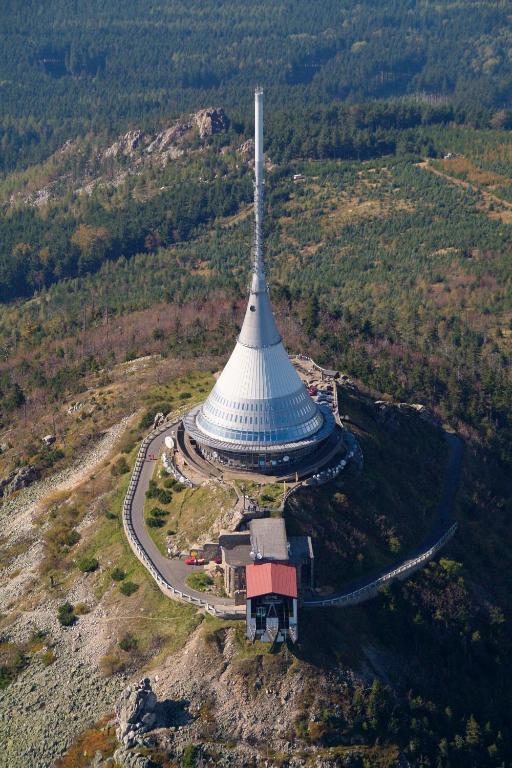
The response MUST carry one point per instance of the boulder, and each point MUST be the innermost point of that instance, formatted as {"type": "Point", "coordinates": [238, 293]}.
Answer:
{"type": "Point", "coordinates": [19, 478]}
{"type": "Point", "coordinates": [210, 121]}
{"type": "Point", "coordinates": [127, 759]}
{"type": "Point", "coordinates": [135, 712]}
{"type": "Point", "coordinates": [48, 440]}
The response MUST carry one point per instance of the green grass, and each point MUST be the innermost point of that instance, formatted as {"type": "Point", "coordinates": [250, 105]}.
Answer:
{"type": "Point", "coordinates": [267, 495]}
{"type": "Point", "coordinates": [200, 581]}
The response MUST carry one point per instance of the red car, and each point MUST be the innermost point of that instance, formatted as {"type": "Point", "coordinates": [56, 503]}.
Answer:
{"type": "Point", "coordinates": [195, 561]}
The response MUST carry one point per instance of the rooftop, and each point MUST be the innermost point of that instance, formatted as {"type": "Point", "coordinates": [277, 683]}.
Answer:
{"type": "Point", "coordinates": [268, 538]}
{"type": "Point", "coordinates": [271, 578]}
{"type": "Point", "coordinates": [236, 547]}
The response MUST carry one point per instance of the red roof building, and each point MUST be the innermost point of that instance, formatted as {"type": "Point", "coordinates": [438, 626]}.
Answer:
{"type": "Point", "coordinates": [271, 578]}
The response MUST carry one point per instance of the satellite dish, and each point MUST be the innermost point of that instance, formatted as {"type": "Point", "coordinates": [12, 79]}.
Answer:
{"type": "Point", "coordinates": [286, 458]}
{"type": "Point", "coordinates": [252, 554]}
{"type": "Point", "coordinates": [259, 556]}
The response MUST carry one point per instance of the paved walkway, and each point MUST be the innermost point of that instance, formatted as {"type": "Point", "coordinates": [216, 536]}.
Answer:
{"type": "Point", "coordinates": [440, 527]}
{"type": "Point", "coordinates": [173, 570]}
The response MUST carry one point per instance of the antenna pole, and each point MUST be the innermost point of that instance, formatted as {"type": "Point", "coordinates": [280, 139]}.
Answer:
{"type": "Point", "coordinates": [258, 281]}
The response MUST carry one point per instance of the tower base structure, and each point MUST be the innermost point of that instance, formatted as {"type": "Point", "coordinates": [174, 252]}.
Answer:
{"type": "Point", "coordinates": [265, 458]}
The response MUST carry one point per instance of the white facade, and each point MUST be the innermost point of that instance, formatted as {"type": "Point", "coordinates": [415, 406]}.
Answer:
{"type": "Point", "coordinates": [259, 402]}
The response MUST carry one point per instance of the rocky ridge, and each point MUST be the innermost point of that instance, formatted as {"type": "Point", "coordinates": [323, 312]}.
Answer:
{"type": "Point", "coordinates": [130, 154]}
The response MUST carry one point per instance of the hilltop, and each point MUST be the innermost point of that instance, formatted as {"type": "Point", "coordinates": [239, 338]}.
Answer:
{"type": "Point", "coordinates": [353, 668]}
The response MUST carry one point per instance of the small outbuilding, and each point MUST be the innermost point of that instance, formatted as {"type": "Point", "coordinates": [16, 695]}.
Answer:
{"type": "Point", "coordinates": [271, 605]}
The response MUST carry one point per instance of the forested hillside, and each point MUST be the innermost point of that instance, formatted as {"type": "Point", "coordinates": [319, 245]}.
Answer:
{"type": "Point", "coordinates": [66, 69]}
{"type": "Point", "coordinates": [126, 224]}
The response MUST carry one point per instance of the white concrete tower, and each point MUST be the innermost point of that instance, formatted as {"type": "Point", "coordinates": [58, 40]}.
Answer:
{"type": "Point", "coordinates": [259, 414]}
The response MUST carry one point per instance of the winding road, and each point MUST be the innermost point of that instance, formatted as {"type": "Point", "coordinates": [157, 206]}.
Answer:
{"type": "Point", "coordinates": [173, 570]}
{"type": "Point", "coordinates": [170, 574]}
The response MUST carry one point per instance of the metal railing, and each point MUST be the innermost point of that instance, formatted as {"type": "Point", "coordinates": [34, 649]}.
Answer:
{"type": "Point", "coordinates": [359, 595]}
{"type": "Point", "coordinates": [369, 590]}
{"type": "Point", "coordinates": [163, 583]}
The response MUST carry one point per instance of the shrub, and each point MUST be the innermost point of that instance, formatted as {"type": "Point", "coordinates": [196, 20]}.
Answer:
{"type": "Point", "coordinates": [170, 482]}
{"type": "Point", "coordinates": [155, 522]}
{"type": "Point", "coordinates": [120, 467]}
{"type": "Point", "coordinates": [81, 609]}
{"type": "Point", "coordinates": [88, 564]}
{"type": "Point", "coordinates": [159, 512]}
{"type": "Point", "coordinates": [128, 588]}
{"type": "Point", "coordinates": [48, 657]}
{"type": "Point", "coordinates": [66, 615]}
{"type": "Point", "coordinates": [149, 417]}
{"type": "Point", "coordinates": [111, 664]}
{"type": "Point", "coordinates": [118, 574]}
{"type": "Point", "coordinates": [128, 643]}
{"type": "Point", "coordinates": [185, 395]}
{"type": "Point", "coordinates": [200, 580]}
{"type": "Point", "coordinates": [153, 490]}
{"type": "Point", "coordinates": [12, 661]}
{"type": "Point", "coordinates": [110, 515]}
{"type": "Point", "coordinates": [188, 758]}
{"type": "Point", "coordinates": [164, 496]}
{"type": "Point", "coordinates": [71, 538]}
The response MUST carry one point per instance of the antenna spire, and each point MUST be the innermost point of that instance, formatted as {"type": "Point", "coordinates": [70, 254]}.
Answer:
{"type": "Point", "coordinates": [258, 280]}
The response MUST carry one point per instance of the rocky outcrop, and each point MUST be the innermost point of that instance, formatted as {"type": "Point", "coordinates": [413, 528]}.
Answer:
{"type": "Point", "coordinates": [18, 479]}
{"type": "Point", "coordinates": [211, 121]}
{"type": "Point", "coordinates": [126, 145]}
{"type": "Point", "coordinates": [388, 414]}
{"type": "Point", "coordinates": [125, 758]}
{"type": "Point", "coordinates": [165, 145]}
{"type": "Point", "coordinates": [247, 148]}
{"type": "Point", "coordinates": [135, 712]}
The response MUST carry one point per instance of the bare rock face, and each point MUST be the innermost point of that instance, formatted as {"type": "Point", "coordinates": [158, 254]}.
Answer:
{"type": "Point", "coordinates": [165, 140]}
{"type": "Point", "coordinates": [128, 759]}
{"type": "Point", "coordinates": [388, 414]}
{"type": "Point", "coordinates": [135, 712]}
{"type": "Point", "coordinates": [247, 148]}
{"type": "Point", "coordinates": [426, 414]}
{"type": "Point", "coordinates": [17, 479]}
{"type": "Point", "coordinates": [126, 145]}
{"type": "Point", "coordinates": [210, 121]}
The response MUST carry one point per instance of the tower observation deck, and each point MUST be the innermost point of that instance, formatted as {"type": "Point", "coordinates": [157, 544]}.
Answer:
{"type": "Point", "coordinates": [259, 415]}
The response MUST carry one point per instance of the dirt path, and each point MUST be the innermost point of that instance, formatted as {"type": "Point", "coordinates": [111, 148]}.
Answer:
{"type": "Point", "coordinates": [16, 514]}
{"type": "Point", "coordinates": [487, 197]}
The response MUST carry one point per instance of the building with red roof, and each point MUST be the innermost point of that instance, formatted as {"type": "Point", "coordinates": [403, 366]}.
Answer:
{"type": "Point", "coordinates": [271, 604]}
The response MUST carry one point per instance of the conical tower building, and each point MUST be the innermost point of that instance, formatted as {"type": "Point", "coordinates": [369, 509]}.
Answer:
{"type": "Point", "coordinates": [259, 416]}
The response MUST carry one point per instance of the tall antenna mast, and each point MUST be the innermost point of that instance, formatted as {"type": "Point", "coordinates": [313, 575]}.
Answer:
{"type": "Point", "coordinates": [258, 280]}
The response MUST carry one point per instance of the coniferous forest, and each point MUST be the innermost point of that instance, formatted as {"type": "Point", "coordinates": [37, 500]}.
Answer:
{"type": "Point", "coordinates": [388, 200]}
